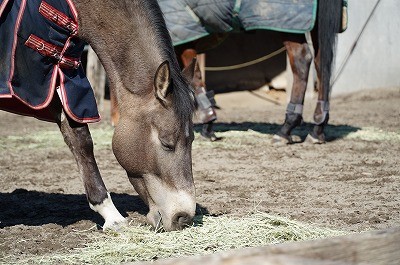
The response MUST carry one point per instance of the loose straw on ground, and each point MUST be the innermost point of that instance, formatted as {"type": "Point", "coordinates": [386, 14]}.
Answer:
{"type": "Point", "coordinates": [208, 235]}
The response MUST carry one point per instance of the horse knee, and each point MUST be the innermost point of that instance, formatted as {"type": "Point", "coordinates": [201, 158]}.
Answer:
{"type": "Point", "coordinates": [305, 60]}
{"type": "Point", "coordinates": [301, 57]}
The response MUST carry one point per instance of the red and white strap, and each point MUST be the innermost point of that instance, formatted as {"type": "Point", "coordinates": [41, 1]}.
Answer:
{"type": "Point", "coordinates": [58, 17]}
{"type": "Point", "coordinates": [52, 51]}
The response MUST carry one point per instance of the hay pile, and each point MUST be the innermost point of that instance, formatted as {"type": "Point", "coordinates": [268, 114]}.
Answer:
{"type": "Point", "coordinates": [208, 235]}
{"type": "Point", "coordinates": [374, 134]}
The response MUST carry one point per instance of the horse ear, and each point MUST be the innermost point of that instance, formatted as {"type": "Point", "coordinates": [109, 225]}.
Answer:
{"type": "Point", "coordinates": [162, 81]}
{"type": "Point", "coordinates": [188, 71]}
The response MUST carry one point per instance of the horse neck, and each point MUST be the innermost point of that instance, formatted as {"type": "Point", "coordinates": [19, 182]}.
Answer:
{"type": "Point", "coordinates": [130, 39]}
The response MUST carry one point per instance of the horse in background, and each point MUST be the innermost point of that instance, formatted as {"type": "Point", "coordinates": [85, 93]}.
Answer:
{"type": "Point", "coordinates": [153, 138]}
{"type": "Point", "coordinates": [331, 19]}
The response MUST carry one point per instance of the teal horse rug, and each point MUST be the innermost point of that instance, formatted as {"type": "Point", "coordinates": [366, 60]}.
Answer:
{"type": "Point", "coordinates": [188, 20]}
{"type": "Point", "coordinates": [40, 56]}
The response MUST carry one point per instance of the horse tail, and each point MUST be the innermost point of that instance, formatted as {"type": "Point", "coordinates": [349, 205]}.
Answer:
{"type": "Point", "coordinates": [329, 24]}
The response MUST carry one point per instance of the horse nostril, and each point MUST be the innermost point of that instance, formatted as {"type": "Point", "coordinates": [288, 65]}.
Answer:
{"type": "Point", "coordinates": [183, 220]}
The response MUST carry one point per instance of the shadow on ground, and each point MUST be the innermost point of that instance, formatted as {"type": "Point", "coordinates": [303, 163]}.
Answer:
{"type": "Point", "coordinates": [35, 208]}
{"type": "Point", "coordinates": [332, 132]}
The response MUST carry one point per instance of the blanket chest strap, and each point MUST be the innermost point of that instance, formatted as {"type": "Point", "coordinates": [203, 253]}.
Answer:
{"type": "Point", "coordinates": [58, 17]}
{"type": "Point", "coordinates": [52, 51]}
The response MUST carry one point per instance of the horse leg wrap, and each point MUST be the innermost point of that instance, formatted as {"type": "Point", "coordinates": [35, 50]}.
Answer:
{"type": "Point", "coordinates": [317, 135]}
{"type": "Point", "coordinates": [208, 132]}
{"type": "Point", "coordinates": [321, 112]}
{"type": "Point", "coordinates": [205, 102]}
{"type": "Point", "coordinates": [321, 117]}
{"type": "Point", "coordinates": [210, 95]}
{"type": "Point", "coordinates": [294, 117]}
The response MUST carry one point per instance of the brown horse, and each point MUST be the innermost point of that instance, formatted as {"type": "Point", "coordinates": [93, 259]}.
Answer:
{"type": "Point", "coordinates": [328, 24]}
{"type": "Point", "coordinates": [153, 139]}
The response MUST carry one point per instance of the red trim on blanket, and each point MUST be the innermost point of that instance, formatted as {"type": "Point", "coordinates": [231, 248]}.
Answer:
{"type": "Point", "coordinates": [74, 12]}
{"type": "Point", "coordinates": [3, 6]}
{"type": "Point", "coordinates": [49, 95]}
{"type": "Point", "coordinates": [46, 49]}
{"type": "Point", "coordinates": [64, 98]}
{"type": "Point", "coordinates": [65, 104]}
{"type": "Point", "coordinates": [53, 77]}
{"type": "Point", "coordinates": [18, 23]}
{"type": "Point", "coordinates": [53, 51]}
{"type": "Point", "coordinates": [58, 17]}
{"type": "Point", "coordinates": [14, 105]}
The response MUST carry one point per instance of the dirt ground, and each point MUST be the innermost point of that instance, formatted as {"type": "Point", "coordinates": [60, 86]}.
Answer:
{"type": "Point", "coordinates": [351, 183]}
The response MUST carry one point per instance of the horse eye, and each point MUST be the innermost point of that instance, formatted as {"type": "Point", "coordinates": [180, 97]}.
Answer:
{"type": "Point", "coordinates": [167, 147]}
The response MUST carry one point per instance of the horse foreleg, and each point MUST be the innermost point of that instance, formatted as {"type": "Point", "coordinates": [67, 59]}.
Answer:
{"type": "Point", "coordinates": [300, 58]}
{"type": "Point", "coordinates": [79, 141]}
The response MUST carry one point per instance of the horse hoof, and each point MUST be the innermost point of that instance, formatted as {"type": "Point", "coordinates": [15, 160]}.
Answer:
{"type": "Point", "coordinates": [117, 225]}
{"type": "Point", "coordinates": [296, 139]}
{"type": "Point", "coordinates": [280, 140]}
{"type": "Point", "coordinates": [315, 140]}
{"type": "Point", "coordinates": [210, 136]}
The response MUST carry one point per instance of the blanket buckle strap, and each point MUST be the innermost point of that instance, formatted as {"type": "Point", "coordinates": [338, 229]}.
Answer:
{"type": "Point", "coordinates": [53, 51]}
{"type": "Point", "coordinates": [59, 18]}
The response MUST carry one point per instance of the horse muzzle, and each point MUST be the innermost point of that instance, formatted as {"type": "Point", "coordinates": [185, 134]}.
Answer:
{"type": "Point", "coordinates": [178, 221]}
{"type": "Point", "coordinates": [170, 208]}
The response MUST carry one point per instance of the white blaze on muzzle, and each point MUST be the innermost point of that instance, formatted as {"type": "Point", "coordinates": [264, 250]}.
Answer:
{"type": "Point", "coordinates": [168, 202]}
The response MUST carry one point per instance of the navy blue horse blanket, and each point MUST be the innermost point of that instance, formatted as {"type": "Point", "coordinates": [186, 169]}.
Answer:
{"type": "Point", "coordinates": [39, 55]}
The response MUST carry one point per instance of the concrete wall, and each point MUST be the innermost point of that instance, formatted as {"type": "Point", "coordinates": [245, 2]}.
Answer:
{"type": "Point", "coordinates": [375, 61]}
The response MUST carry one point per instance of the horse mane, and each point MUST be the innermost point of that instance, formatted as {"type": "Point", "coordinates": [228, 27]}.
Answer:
{"type": "Point", "coordinates": [183, 98]}
{"type": "Point", "coordinates": [182, 92]}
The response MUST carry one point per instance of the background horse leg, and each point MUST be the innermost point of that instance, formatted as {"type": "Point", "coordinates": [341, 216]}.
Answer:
{"type": "Point", "coordinates": [321, 112]}
{"type": "Point", "coordinates": [300, 58]}
{"type": "Point", "coordinates": [324, 42]}
{"type": "Point", "coordinates": [79, 141]}
{"type": "Point", "coordinates": [205, 100]}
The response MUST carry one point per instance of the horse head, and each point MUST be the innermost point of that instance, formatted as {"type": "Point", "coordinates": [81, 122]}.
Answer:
{"type": "Point", "coordinates": [152, 142]}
